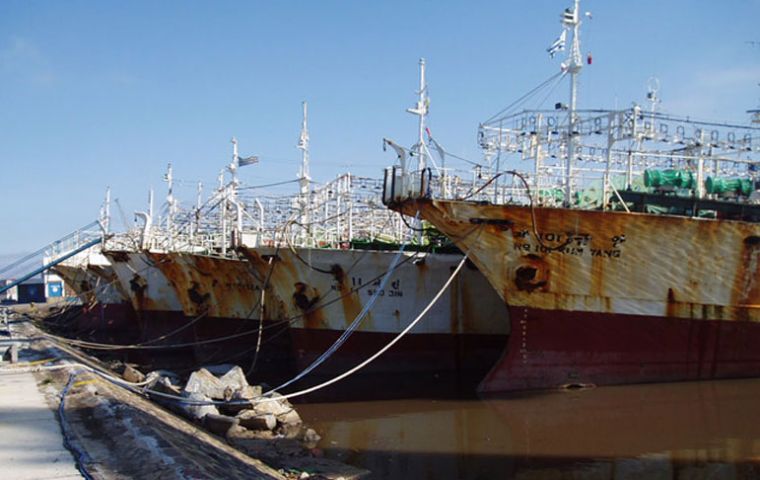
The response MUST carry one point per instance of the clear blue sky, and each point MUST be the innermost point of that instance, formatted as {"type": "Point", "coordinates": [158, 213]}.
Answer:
{"type": "Point", "coordinates": [106, 93]}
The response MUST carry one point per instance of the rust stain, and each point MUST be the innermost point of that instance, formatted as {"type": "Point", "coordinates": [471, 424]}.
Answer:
{"type": "Point", "coordinates": [138, 286]}
{"type": "Point", "coordinates": [746, 288]}
{"type": "Point", "coordinates": [605, 261]}
{"type": "Point", "coordinates": [108, 275]}
{"type": "Point", "coordinates": [78, 280]}
{"type": "Point", "coordinates": [306, 299]}
{"type": "Point", "coordinates": [673, 307]}
{"type": "Point", "coordinates": [349, 300]}
{"type": "Point", "coordinates": [532, 273]}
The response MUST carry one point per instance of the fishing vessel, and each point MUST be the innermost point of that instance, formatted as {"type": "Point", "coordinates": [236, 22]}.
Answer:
{"type": "Point", "coordinates": [106, 310]}
{"type": "Point", "coordinates": [347, 282]}
{"type": "Point", "coordinates": [624, 243]}
{"type": "Point", "coordinates": [136, 256]}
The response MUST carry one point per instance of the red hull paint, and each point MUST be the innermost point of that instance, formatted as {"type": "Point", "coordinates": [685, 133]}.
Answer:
{"type": "Point", "coordinates": [108, 323]}
{"type": "Point", "coordinates": [549, 349]}
{"type": "Point", "coordinates": [274, 353]}
{"type": "Point", "coordinates": [439, 364]}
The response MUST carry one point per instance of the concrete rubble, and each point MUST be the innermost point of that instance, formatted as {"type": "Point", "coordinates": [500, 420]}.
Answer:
{"type": "Point", "coordinates": [267, 427]}
{"type": "Point", "coordinates": [116, 433]}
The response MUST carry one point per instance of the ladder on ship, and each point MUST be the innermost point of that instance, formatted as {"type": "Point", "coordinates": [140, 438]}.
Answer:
{"type": "Point", "coordinates": [52, 254]}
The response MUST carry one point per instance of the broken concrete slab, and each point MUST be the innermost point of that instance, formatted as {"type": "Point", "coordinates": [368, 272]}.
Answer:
{"type": "Point", "coordinates": [274, 404]}
{"type": "Point", "coordinates": [291, 418]}
{"type": "Point", "coordinates": [132, 374]}
{"type": "Point", "coordinates": [235, 406]}
{"type": "Point", "coordinates": [165, 386]}
{"type": "Point", "coordinates": [248, 392]}
{"type": "Point", "coordinates": [196, 406]}
{"type": "Point", "coordinates": [234, 378]}
{"type": "Point", "coordinates": [219, 424]}
{"type": "Point", "coordinates": [204, 382]}
{"type": "Point", "coordinates": [311, 438]}
{"type": "Point", "coordinates": [255, 421]}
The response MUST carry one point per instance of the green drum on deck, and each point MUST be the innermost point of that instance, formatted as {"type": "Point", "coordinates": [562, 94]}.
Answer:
{"type": "Point", "coordinates": [669, 178]}
{"type": "Point", "coordinates": [741, 186]}
{"type": "Point", "coordinates": [553, 194]}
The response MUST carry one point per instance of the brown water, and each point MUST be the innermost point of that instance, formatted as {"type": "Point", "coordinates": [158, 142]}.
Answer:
{"type": "Point", "coordinates": [673, 431]}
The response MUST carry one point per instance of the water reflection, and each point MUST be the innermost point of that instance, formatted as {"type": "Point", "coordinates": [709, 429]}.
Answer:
{"type": "Point", "coordinates": [683, 430]}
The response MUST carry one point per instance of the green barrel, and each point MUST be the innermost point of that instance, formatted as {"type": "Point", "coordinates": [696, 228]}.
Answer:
{"type": "Point", "coordinates": [555, 194]}
{"type": "Point", "coordinates": [741, 186]}
{"type": "Point", "coordinates": [669, 178]}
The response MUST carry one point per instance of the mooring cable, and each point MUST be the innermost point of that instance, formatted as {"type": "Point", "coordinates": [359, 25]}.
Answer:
{"type": "Point", "coordinates": [80, 456]}
{"type": "Point", "coordinates": [283, 322]}
{"type": "Point", "coordinates": [385, 348]}
{"type": "Point", "coordinates": [268, 396]}
{"type": "Point", "coordinates": [354, 324]}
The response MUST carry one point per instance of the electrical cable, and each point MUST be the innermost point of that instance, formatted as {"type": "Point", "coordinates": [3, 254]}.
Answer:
{"type": "Point", "coordinates": [80, 456]}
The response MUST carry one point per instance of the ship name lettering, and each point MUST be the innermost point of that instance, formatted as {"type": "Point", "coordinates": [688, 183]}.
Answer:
{"type": "Point", "coordinates": [382, 293]}
{"type": "Point", "coordinates": [579, 239]}
{"type": "Point", "coordinates": [617, 240]}
{"type": "Point", "coordinates": [607, 253]}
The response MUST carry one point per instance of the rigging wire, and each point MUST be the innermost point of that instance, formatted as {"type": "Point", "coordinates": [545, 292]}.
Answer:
{"type": "Point", "coordinates": [524, 98]}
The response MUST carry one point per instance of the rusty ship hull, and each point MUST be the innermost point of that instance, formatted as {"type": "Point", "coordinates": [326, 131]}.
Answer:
{"type": "Point", "coordinates": [322, 291]}
{"type": "Point", "coordinates": [223, 300]}
{"type": "Point", "coordinates": [158, 311]}
{"type": "Point", "coordinates": [106, 312]}
{"type": "Point", "coordinates": [611, 297]}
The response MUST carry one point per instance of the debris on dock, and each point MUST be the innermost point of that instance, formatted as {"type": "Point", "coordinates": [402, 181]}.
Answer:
{"type": "Point", "coordinates": [117, 433]}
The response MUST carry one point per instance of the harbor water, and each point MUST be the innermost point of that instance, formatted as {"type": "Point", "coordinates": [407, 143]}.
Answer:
{"type": "Point", "coordinates": [677, 430]}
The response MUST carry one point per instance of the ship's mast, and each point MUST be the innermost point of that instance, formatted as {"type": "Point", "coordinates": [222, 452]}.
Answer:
{"type": "Point", "coordinates": [303, 177]}
{"type": "Point", "coordinates": [228, 194]}
{"type": "Point", "coordinates": [421, 110]}
{"type": "Point", "coordinates": [169, 177]}
{"type": "Point", "coordinates": [233, 167]}
{"type": "Point", "coordinates": [106, 220]}
{"type": "Point", "coordinates": [303, 145]}
{"type": "Point", "coordinates": [571, 21]}
{"type": "Point", "coordinates": [755, 114]}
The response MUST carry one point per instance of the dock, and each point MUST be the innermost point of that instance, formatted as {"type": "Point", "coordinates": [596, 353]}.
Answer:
{"type": "Point", "coordinates": [31, 441]}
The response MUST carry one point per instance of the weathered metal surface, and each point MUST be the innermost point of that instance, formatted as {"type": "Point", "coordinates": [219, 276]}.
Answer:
{"type": "Point", "coordinates": [221, 298]}
{"type": "Point", "coordinates": [109, 284]}
{"type": "Point", "coordinates": [612, 262]}
{"type": "Point", "coordinates": [608, 297]}
{"type": "Point", "coordinates": [107, 315]}
{"type": "Point", "coordinates": [321, 291]}
{"type": "Point", "coordinates": [146, 285]}
{"type": "Point", "coordinates": [217, 287]}
{"type": "Point", "coordinates": [92, 283]}
{"type": "Point", "coordinates": [80, 280]}
{"type": "Point", "coordinates": [157, 309]}
{"type": "Point", "coordinates": [327, 289]}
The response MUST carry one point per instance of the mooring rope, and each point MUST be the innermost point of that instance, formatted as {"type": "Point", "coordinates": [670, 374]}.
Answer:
{"type": "Point", "coordinates": [354, 324]}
